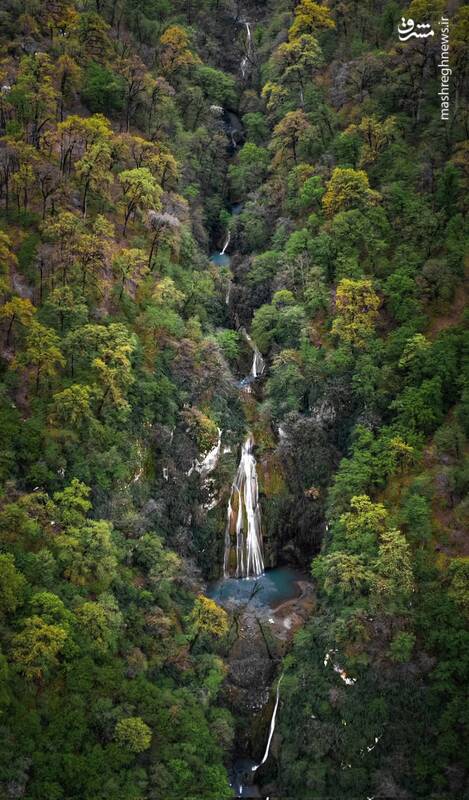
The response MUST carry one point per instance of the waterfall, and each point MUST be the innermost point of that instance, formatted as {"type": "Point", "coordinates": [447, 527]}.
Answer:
{"type": "Point", "coordinates": [207, 464]}
{"type": "Point", "coordinates": [272, 727]}
{"type": "Point", "coordinates": [246, 59]}
{"type": "Point", "coordinates": [228, 239]}
{"type": "Point", "coordinates": [244, 519]}
{"type": "Point", "coordinates": [258, 363]}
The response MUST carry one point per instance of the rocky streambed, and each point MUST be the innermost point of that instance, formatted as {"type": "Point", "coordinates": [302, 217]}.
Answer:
{"type": "Point", "coordinates": [266, 612]}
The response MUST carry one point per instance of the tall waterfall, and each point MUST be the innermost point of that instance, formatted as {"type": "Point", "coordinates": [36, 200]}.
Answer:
{"type": "Point", "coordinates": [272, 727]}
{"type": "Point", "coordinates": [244, 519]}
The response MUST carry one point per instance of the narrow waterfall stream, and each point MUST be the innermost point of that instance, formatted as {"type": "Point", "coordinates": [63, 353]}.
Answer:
{"type": "Point", "coordinates": [228, 239]}
{"type": "Point", "coordinates": [246, 60]}
{"type": "Point", "coordinates": [258, 363]}
{"type": "Point", "coordinates": [272, 727]}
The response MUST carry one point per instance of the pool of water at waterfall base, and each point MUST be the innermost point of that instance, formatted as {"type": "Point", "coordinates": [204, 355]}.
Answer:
{"type": "Point", "coordinates": [269, 590]}
{"type": "Point", "coordinates": [241, 779]}
{"type": "Point", "coordinates": [221, 259]}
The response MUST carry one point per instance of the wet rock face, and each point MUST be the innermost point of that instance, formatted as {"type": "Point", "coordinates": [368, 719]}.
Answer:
{"type": "Point", "coordinates": [324, 413]}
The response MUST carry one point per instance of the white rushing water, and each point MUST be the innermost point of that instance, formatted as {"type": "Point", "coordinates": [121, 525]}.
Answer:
{"type": "Point", "coordinates": [207, 464]}
{"type": "Point", "coordinates": [244, 519]}
{"type": "Point", "coordinates": [247, 58]}
{"type": "Point", "coordinates": [227, 241]}
{"type": "Point", "coordinates": [258, 363]}
{"type": "Point", "coordinates": [272, 727]}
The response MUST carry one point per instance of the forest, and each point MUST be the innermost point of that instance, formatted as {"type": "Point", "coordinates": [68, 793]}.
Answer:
{"type": "Point", "coordinates": [234, 400]}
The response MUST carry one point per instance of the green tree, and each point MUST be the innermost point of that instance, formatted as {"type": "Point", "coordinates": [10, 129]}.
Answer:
{"type": "Point", "coordinates": [297, 61]}
{"type": "Point", "coordinates": [393, 581]}
{"type": "Point", "coordinates": [102, 89]}
{"type": "Point", "coordinates": [18, 310]}
{"type": "Point", "coordinates": [8, 261]}
{"type": "Point", "coordinates": [73, 503]}
{"type": "Point", "coordinates": [281, 322]}
{"type": "Point", "coordinates": [250, 169]}
{"type": "Point", "coordinates": [343, 576]}
{"type": "Point", "coordinates": [255, 125]}
{"type": "Point", "coordinates": [363, 525]}
{"type": "Point", "coordinates": [400, 649]}
{"type": "Point", "coordinates": [357, 309]}
{"type": "Point", "coordinates": [175, 53]}
{"type": "Point", "coordinates": [163, 228]}
{"type": "Point", "coordinates": [134, 76]}
{"type": "Point", "coordinates": [93, 171]}
{"type": "Point", "coordinates": [12, 585]}
{"type": "Point", "coordinates": [78, 134]}
{"type": "Point", "coordinates": [207, 617]}
{"type": "Point", "coordinates": [100, 621]}
{"type": "Point", "coordinates": [288, 135]}
{"type": "Point", "coordinates": [72, 407]}
{"type": "Point", "coordinates": [65, 306]}
{"type": "Point", "coordinates": [229, 343]}
{"type": "Point", "coordinates": [42, 353]}
{"type": "Point", "coordinates": [33, 96]}
{"type": "Point", "coordinates": [217, 86]}
{"type": "Point", "coordinates": [420, 407]}
{"type": "Point", "coordinates": [133, 734]}
{"type": "Point", "coordinates": [36, 649]}
{"type": "Point", "coordinates": [286, 385]}
{"type": "Point", "coordinates": [113, 371]}
{"type": "Point", "coordinates": [87, 555]}
{"type": "Point", "coordinates": [309, 18]}
{"type": "Point", "coordinates": [69, 79]}
{"type": "Point", "coordinates": [129, 266]}
{"type": "Point", "coordinates": [160, 564]}
{"type": "Point", "coordinates": [376, 135]}
{"type": "Point", "coordinates": [458, 573]}
{"type": "Point", "coordinates": [348, 188]}
{"type": "Point", "coordinates": [140, 191]}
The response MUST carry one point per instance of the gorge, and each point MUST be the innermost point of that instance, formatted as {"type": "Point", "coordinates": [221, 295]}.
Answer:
{"type": "Point", "coordinates": [234, 401]}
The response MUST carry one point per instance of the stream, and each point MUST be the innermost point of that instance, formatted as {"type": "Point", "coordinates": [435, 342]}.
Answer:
{"type": "Point", "coordinates": [275, 603]}
{"type": "Point", "coordinates": [266, 606]}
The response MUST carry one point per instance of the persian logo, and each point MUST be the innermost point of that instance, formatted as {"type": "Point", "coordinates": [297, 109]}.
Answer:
{"type": "Point", "coordinates": [408, 29]}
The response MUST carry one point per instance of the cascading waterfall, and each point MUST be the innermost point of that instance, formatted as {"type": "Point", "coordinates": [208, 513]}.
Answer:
{"type": "Point", "coordinates": [244, 519]}
{"type": "Point", "coordinates": [258, 363]}
{"type": "Point", "coordinates": [272, 727]}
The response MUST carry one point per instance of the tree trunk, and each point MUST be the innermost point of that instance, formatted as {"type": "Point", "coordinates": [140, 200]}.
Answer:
{"type": "Point", "coordinates": [7, 340]}
{"type": "Point", "coordinates": [152, 250]}
{"type": "Point", "coordinates": [85, 197]}
{"type": "Point", "coordinates": [98, 413]}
